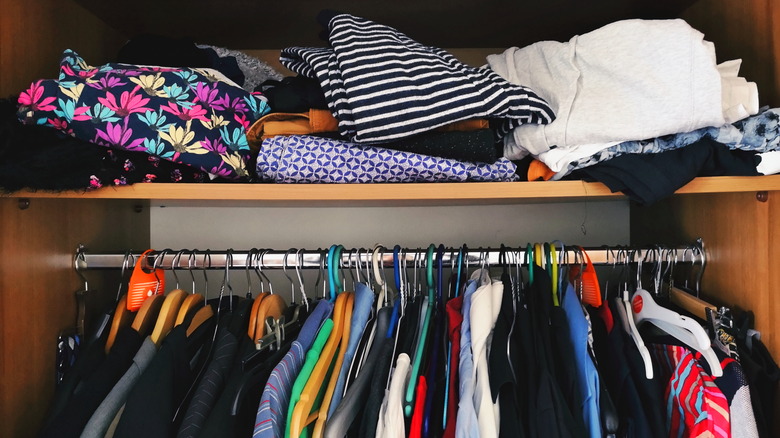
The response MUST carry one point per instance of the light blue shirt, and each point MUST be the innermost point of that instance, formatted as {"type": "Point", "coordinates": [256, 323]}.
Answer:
{"type": "Point", "coordinates": [361, 310]}
{"type": "Point", "coordinates": [467, 423]}
{"type": "Point", "coordinates": [587, 374]}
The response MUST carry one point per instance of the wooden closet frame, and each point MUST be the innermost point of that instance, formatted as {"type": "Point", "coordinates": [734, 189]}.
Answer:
{"type": "Point", "coordinates": [738, 218]}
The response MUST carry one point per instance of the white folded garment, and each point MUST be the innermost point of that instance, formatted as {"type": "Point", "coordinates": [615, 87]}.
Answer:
{"type": "Point", "coordinates": [630, 80]}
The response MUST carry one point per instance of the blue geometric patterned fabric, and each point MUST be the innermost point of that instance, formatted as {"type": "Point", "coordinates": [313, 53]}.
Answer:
{"type": "Point", "coordinates": [308, 159]}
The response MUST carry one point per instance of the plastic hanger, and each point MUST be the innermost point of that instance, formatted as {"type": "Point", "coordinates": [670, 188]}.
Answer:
{"type": "Point", "coordinates": [144, 282]}
{"type": "Point", "coordinates": [625, 314]}
{"type": "Point", "coordinates": [529, 261]}
{"type": "Point", "coordinates": [319, 425]}
{"type": "Point", "coordinates": [551, 262]}
{"type": "Point", "coordinates": [645, 309]}
{"type": "Point", "coordinates": [420, 345]}
{"type": "Point", "coordinates": [431, 355]}
{"type": "Point", "coordinates": [304, 412]}
{"type": "Point", "coordinates": [376, 257]}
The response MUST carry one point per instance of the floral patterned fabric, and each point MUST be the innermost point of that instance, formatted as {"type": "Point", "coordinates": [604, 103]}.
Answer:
{"type": "Point", "coordinates": [185, 115]}
{"type": "Point", "coordinates": [308, 159]}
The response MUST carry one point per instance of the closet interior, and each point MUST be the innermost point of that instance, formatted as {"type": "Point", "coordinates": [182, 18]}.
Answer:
{"type": "Point", "coordinates": [738, 218]}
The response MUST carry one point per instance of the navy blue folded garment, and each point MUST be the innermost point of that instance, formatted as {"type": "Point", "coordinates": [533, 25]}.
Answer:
{"type": "Point", "coordinates": [648, 178]}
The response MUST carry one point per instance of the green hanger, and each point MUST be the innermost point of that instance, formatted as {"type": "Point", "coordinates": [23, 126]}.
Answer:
{"type": "Point", "coordinates": [418, 353]}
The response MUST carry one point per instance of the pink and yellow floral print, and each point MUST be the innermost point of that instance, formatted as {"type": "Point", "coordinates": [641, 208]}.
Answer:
{"type": "Point", "coordinates": [182, 115]}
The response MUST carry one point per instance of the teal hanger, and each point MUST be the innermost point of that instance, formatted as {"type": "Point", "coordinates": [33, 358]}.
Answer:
{"type": "Point", "coordinates": [334, 257]}
{"type": "Point", "coordinates": [529, 261]}
{"type": "Point", "coordinates": [420, 346]}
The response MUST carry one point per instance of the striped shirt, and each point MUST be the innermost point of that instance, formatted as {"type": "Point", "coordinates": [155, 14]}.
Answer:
{"type": "Point", "coordinates": [695, 406]}
{"type": "Point", "coordinates": [381, 85]}
{"type": "Point", "coordinates": [272, 412]}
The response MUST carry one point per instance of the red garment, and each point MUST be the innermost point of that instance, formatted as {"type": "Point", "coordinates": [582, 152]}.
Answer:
{"type": "Point", "coordinates": [454, 319]}
{"type": "Point", "coordinates": [696, 406]}
{"type": "Point", "coordinates": [415, 430]}
{"type": "Point", "coordinates": [605, 313]}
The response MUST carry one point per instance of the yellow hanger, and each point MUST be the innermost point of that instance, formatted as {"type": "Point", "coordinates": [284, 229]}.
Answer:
{"type": "Point", "coordinates": [552, 263]}
{"type": "Point", "coordinates": [302, 413]}
{"type": "Point", "coordinates": [319, 426]}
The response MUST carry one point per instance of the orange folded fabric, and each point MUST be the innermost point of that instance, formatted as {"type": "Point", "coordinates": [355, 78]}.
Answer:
{"type": "Point", "coordinates": [538, 171]}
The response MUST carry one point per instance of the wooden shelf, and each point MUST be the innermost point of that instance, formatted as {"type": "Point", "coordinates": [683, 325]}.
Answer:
{"type": "Point", "coordinates": [392, 194]}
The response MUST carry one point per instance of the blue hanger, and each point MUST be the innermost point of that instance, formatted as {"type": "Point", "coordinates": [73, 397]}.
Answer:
{"type": "Point", "coordinates": [420, 345]}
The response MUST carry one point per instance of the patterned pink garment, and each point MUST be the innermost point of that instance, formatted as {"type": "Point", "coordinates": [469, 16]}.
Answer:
{"type": "Point", "coordinates": [695, 406]}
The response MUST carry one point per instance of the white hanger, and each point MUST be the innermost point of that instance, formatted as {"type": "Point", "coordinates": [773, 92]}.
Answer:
{"type": "Point", "coordinates": [624, 309]}
{"type": "Point", "coordinates": [644, 309]}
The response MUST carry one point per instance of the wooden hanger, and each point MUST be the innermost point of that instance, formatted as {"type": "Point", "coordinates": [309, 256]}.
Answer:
{"type": "Point", "coordinates": [693, 304]}
{"type": "Point", "coordinates": [122, 318]}
{"type": "Point", "coordinates": [168, 314]}
{"type": "Point", "coordinates": [303, 408]}
{"type": "Point", "coordinates": [193, 301]}
{"type": "Point", "coordinates": [201, 316]}
{"type": "Point", "coordinates": [146, 317]}
{"type": "Point", "coordinates": [254, 322]}
{"type": "Point", "coordinates": [274, 306]}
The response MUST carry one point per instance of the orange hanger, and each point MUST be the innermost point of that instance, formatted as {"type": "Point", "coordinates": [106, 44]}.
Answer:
{"type": "Point", "coordinates": [144, 282]}
{"type": "Point", "coordinates": [304, 412]}
{"type": "Point", "coordinates": [319, 426]}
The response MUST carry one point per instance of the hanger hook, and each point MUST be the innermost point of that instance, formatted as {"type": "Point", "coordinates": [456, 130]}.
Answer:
{"type": "Point", "coordinates": [204, 267]}
{"type": "Point", "coordinates": [284, 269]}
{"type": "Point", "coordinates": [79, 263]}
{"type": "Point", "coordinates": [192, 262]}
{"type": "Point", "coordinates": [298, 267]}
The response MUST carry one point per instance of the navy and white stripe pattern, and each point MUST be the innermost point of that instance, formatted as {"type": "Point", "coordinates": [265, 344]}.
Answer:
{"type": "Point", "coordinates": [381, 85]}
{"type": "Point", "coordinates": [308, 159]}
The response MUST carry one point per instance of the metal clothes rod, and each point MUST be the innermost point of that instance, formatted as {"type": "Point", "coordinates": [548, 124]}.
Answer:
{"type": "Point", "coordinates": [310, 259]}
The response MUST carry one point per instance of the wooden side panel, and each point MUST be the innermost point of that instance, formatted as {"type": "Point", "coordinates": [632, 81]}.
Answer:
{"type": "Point", "coordinates": [748, 29]}
{"type": "Point", "coordinates": [740, 237]}
{"type": "Point", "coordinates": [37, 286]}
{"type": "Point", "coordinates": [34, 33]}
